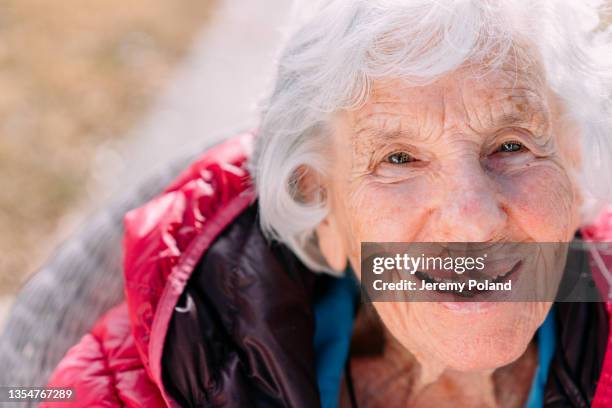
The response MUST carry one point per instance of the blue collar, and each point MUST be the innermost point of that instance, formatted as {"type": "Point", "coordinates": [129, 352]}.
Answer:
{"type": "Point", "coordinates": [547, 341]}
{"type": "Point", "coordinates": [334, 313]}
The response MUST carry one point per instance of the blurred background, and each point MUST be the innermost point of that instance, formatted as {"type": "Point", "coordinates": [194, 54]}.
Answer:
{"type": "Point", "coordinates": [95, 95]}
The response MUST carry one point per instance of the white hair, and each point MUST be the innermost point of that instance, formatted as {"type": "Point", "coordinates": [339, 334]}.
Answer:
{"type": "Point", "coordinates": [339, 47]}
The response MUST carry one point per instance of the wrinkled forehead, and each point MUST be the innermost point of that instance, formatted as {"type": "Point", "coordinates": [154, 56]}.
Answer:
{"type": "Point", "coordinates": [472, 97]}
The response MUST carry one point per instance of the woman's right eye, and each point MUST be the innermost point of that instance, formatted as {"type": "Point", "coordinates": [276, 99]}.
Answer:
{"type": "Point", "coordinates": [510, 147]}
{"type": "Point", "coordinates": [399, 158]}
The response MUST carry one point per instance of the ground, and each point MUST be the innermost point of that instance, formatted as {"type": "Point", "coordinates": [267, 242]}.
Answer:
{"type": "Point", "coordinates": [74, 75]}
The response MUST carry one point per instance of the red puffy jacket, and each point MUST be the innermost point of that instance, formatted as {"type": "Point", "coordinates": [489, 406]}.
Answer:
{"type": "Point", "coordinates": [119, 362]}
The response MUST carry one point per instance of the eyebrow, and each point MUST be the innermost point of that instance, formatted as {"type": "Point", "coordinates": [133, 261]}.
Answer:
{"type": "Point", "coordinates": [532, 114]}
{"type": "Point", "coordinates": [368, 132]}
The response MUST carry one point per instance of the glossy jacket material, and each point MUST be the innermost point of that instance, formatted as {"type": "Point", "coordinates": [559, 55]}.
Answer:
{"type": "Point", "coordinates": [242, 332]}
{"type": "Point", "coordinates": [119, 363]}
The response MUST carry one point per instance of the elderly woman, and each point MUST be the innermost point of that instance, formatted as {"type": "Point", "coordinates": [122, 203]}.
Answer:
{"type": "Point", "coordinates": [391, 120]}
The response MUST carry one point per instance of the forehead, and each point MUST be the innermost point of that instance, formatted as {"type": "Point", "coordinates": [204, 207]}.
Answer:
{"type": "Point", "coordinates": [516, 90]}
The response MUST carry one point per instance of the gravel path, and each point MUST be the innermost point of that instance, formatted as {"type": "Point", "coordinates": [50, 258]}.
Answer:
{"type": "Point", "coordinates": [217, 88]}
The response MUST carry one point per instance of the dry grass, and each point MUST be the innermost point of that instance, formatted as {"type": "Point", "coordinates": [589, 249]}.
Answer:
{"type": "Point", "coordinates": [73, 74]}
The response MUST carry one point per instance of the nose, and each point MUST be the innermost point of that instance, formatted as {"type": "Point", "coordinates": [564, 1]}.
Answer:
{"type": "Point", "coordinates": [470, 209]}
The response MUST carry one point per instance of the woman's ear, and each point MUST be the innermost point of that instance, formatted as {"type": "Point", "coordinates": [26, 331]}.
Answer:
{"type": "Point", "coordinates": [330, 243]}
{"type": "Point", "coordinates": [329, 235]}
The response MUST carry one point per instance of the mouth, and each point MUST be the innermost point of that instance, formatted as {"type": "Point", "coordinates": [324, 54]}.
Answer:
{"type": "Point", "coordinates": [498, 274]}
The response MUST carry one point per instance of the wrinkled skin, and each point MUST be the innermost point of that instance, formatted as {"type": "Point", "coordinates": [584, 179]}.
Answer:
{"type": "Point", "coordinates": [428, 163]}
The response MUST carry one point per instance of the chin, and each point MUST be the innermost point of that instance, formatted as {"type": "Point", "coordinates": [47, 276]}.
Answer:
{"type": "Point", "coordinates": [486, 339]}
{"type": "Point", "coordinates": [482, 350]}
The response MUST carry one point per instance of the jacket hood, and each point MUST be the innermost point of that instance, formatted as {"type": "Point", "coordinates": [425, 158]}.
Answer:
{"type": "Point", "coordinates": [165, 238]}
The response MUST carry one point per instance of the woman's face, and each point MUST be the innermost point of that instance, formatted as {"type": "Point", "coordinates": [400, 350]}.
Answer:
{"type": "Point", "coordinates": [464, 159]}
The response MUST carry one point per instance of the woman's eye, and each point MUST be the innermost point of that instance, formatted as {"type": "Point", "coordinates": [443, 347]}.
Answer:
{"type": "Point", "coordinates": [510, 147]}
{"type": "Point", "coordinates": [400, 158]}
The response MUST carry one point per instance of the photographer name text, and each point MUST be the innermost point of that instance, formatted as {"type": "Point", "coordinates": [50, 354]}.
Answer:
{"type": "Point", "coordinates": [468, 285]}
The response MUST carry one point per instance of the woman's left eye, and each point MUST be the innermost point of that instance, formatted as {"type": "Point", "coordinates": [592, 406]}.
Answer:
{"type": "Point", "coordinates": [399, 158]}
{"type": "Point", "coordinates": [510, 147]}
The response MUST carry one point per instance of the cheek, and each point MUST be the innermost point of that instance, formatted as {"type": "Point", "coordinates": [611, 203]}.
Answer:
{"type": "Point", "coordinates": [388, 212]}
{"type": "Point", "coordinates": [541, 200]}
